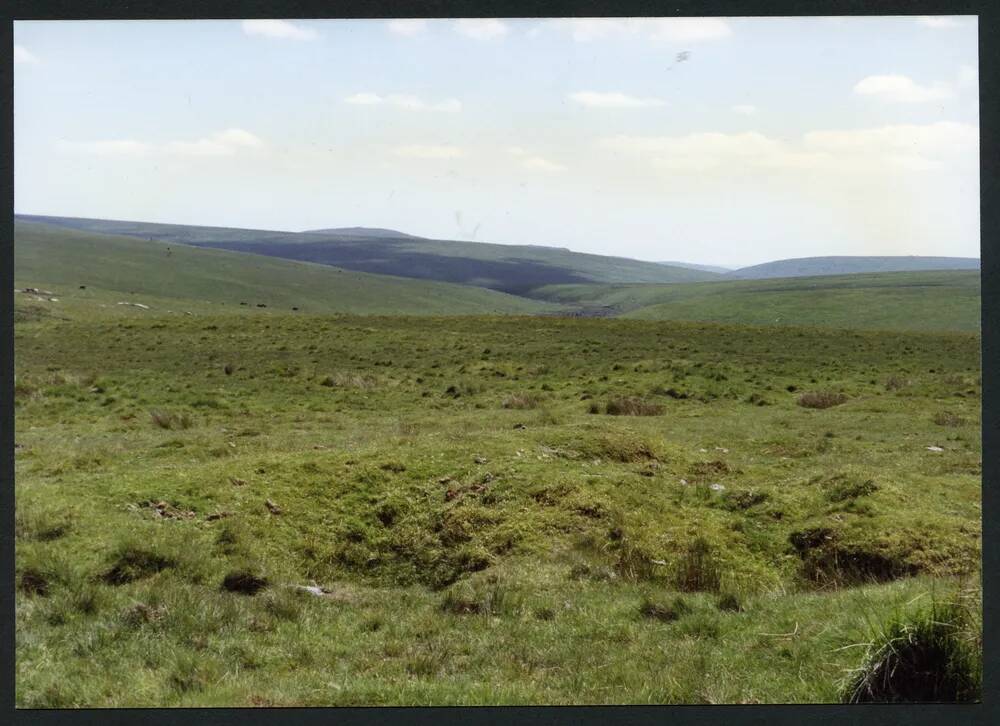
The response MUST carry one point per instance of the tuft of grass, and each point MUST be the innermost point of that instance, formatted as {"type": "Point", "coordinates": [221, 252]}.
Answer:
{"type": "Point", "coordinates": [632, 407]}
{"type": "Point", "coordinates": [841, 490]}
{"type": "Point", "coordinates": [821, 399]}
{"type": "Point", "coordinates": [947, 418]}
{"type": "Point", "coordinates": [924, 657]}
{"type": "Point", "coordinates": [169, 420]}
{"type": "Point", "coordinates": [698, 569]}
{"type": "Point", "coordinates": [521, 401]}
{"type": "Point", "coordinates": [131, 562]}
{"type": "Point", "coordinates": [667, 612]}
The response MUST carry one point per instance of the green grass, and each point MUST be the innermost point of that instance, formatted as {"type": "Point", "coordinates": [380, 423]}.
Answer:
{"type": "Point", "coordinates": [947, 300]}
{"type": "Point", "coordinates": [482, 538]}
{"type": "Point", "coordinates": [176, 277]}
{"type": "Point", "coordinates": [510, 268]}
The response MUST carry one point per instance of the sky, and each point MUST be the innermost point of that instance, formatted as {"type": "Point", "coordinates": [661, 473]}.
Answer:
{"type": "Point", "coordinates": [727, 141]}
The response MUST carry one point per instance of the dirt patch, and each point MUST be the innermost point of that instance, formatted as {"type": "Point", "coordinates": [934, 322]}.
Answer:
{"type": "Point", "coordinates": [131, 564]}
{"type": "Point", "coordinates": [827, 560]}
{"type": "Point", "coordinates": [244, 582]}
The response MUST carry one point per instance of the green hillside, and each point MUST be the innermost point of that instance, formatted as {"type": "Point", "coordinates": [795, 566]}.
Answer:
{"type": "Point", "coordinates": [847, 265]}
{"type": "Point", "coordinates": [514, 269]}
{"type": "Point", "coordinates": [946, 300]}
{"type": "Point", "coordinates": [63, 259]}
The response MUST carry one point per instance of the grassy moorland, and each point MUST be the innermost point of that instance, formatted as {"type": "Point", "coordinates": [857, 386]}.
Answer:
{"type": "Point", "coordinates": [940, 300]}
{"type": "Point", "coordinates": [493, 510]}
{"type": "Point", "coordinates": [508, 268]}
{"type": "Point", "coordinates": [179, 276]}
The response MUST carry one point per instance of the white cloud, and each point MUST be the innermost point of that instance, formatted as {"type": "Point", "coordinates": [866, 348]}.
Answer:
{"type": "Point", "coordinates": [113, 147]}
{"type": "Point", "coordinates": [937, 139]}
{"type": "Point", "coordinates": [938, 21]}
{"type": "Point", "coordinates": [364, 99]}
{"type": "Point", "coordinates": [429, 151]}
{"type": "Point", "coordinates": [238, 137]}
{"type": "Point", "coordinates": [900, 89]}
{"type": "Point", "coordinates": [745, 108]}
{"type": "Point", "coordinates": [516, 150]}
{"type": "Point", "coordinates": [613, 100]}
{"type": "Point", "coordinates": [481, 28]}
{"type": "Point", "coordinates": [224, 143]}
{"type": "Point", "coordinates": [23, 55]}
{"type": "Point", "coordinates": [407, 27]}
{"type": "Point", "coordinates": [278, 29]}
{"type": "Point", "coordinates": [676, 30]}
{"type": "Point", "coordinates": [537, 163]}
{"type": "Point", "coordinates": [404, 100]}
{"type": "Point", "coordinates": [904, 146]}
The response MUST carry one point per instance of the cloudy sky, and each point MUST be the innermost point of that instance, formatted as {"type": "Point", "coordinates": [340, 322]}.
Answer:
{"type": "Point", "coordinates": [725, 141]}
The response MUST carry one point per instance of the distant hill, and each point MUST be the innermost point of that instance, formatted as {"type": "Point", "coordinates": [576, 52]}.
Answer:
{"type": "Point", "coordinates": [373, 232]}
{"type": "Point", "coordinates": [942, 300]}
{"type": "Point", "coordinates": [693, 266]}
{"type": "Point", "coordinates": [810, 266]}
{"type": "Point", "coordinates": [516, 269]}
{"type": "Point", "coordinates": [63, 259]}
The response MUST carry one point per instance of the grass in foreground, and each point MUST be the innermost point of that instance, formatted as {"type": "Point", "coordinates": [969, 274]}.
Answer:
{"type": "Point", "coordinates": [424, 511]}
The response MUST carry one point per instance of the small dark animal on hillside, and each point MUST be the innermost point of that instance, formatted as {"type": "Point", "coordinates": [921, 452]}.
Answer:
{"type": "Point", "coordinates": [261, 305]}
{"type": "Point", "coordinates": [228, 369]}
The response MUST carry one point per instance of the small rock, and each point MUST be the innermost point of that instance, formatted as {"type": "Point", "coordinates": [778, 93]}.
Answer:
{"type": "Point", "coordinates": [480, 460]}
{"type": "Point", "coordinates": [444, 480]}
{"type": "Point", "coordinates": [684, 482]}
{"type": "Point", "coordinates": [519, 427]}
{"type": "Point", "coordinates": [704, 451]}
{"type": "Point", "coordinates": [237, 482]}
{"type": "Point", "coordinates": [217, 515]}
{"type": "Point", "coordinates": [272, 507]}
{"type": "Point", "coordinates": [716, 487]}
{"type": "Point", "coordinates": [934, 448]}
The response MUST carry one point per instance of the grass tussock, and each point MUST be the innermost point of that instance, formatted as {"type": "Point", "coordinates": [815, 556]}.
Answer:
{"type": "Point", "coordinates": [698, 568]}
{"type": "Point", "coordinates": [631, 406]}
{"type": "Point", "coordinates": [170, 420]}
{"type": "Point", "coordinates": [624, 448]}
{"type": "Point", "coordinates": [947, 418]}
{"type": "Point", "coordinates": [821, 399]}
{"type": "Point", "coordinates": [933, 655]}
{"type": "Point", "coordinates": [521, 401]}
{"type": "Point", "coordinates": [131, 562]}
{"type": "Point", "coordinates": [666, 612]}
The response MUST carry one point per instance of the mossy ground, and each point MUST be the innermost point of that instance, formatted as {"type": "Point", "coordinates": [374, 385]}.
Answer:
{"type": "Point", "coordinates": [473, 551]}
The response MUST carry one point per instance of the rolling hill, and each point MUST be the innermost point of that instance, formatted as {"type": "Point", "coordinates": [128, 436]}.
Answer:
{"type": "Point", "coordinates": [695, 266]}
{"type": "Point", "coordinates": [812, 266]}
{"type": "Point", "coordinates": [516, 269]}
{"type": "Point", "coordinates": [64, 259]}
{"type": "Point", "coordinates": [944, 300]}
